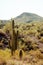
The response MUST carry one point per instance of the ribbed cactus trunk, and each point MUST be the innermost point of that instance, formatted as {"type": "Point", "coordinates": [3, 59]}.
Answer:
{"type": "Point", "coordinates": [14, 38]}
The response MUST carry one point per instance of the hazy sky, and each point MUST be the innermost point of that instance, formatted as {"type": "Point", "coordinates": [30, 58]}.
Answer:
{"type": "Point", "coordinates": [12, 8]}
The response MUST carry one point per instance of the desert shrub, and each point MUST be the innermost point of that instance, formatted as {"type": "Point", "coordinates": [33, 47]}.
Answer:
{"type": "Point", "coordinates": [41, 40]}
{"type": "Point", "coordinates": [40, 62]}
{"type": "Point", "coordinates": [36, 53]}
{"type": "Point", "coordinates": [5, 54]}
{"type": "Point", "coordinates": [38, 35]}
{"type": "Point", "coordinates": [41, 50]}
{"type": "Point", "coordinates": [34, 45]}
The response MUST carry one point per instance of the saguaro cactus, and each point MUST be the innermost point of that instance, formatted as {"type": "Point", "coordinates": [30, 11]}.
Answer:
{"type": "Point", "coordinates": [14, 38]}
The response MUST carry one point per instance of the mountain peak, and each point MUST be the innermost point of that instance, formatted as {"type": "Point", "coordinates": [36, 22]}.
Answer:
{"type": "Point", "coordinates": [28, 17]}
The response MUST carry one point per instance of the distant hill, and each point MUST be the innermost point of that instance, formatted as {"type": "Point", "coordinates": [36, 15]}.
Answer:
{"type": "Point", "coordinates": [24, 17]}
{"type": "Point", "coordinates": [28, 17]}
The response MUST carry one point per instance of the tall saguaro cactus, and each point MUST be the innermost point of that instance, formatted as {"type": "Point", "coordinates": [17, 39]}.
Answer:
{"type": "Point", "coordinates": [14, 38]}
